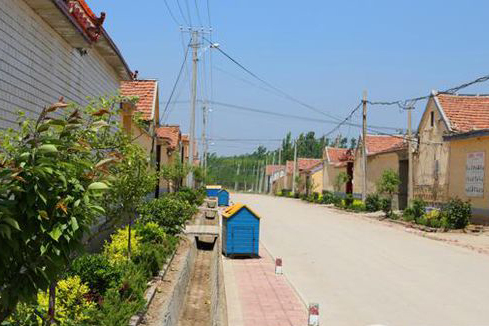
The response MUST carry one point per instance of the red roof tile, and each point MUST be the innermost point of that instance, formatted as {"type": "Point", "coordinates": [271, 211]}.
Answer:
{"type": "Point", "coordinates": [338, 154]}
{"type": "Point", "coordinates": [146, 90]}
{"type": "Point", "coordinates": [302, 164]}
{"type": "Point", "coordinates": [465, 112]}
{"type": "Point", "coordinates": [171, 134]}
{"type": "Point", "coordinates": [383, 143]}
{"type": "Point", "coordinates": [86, 19]}
{"type": "Point", "coordinates": [271, 169]}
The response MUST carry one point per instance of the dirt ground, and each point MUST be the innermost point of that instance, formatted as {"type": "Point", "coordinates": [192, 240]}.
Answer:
{"type": "Point", "coordinates": [153, 316]}
{"type": "Point", "coordinates": [197, 305]}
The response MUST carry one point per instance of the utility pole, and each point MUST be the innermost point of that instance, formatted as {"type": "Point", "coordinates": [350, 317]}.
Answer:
{"type": "Point", "coordinates": [364, 147]}
{"type": "Point", "coordinates": [270, 182]}
{"type": "Point", "coordinates": [257, 180]}
{"type": "Point", "coordinates": [294, 174]}
{"type": "Point", "coordinates": [280, 156]}
{"type": "Point", "coordinates": [237, 176]}
{"type": "Point", "coordinates": [195, 47]}
{"type": "Point", "coordinates": [410, 159]}
{"type": "Point", "coordinates": [204, 142]}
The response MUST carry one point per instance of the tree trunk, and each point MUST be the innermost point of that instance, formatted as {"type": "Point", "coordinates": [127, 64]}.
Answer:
{"type": "Point", "coordinates": [129, 239]}
{"type": "Point", "coordinates": [52, 302]}
{"type": "Point", "coordinates": [4, 313]}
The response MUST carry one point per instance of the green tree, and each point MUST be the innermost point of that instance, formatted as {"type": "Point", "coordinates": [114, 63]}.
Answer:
{"type": "Point", "coordinates": [388, 185]}
{"type": "Point", "coordinates": [175, 172]}
{"type": "Point", "coordinates": [340, 180]}
{"type": "Point", "coordinates": [51, 183]}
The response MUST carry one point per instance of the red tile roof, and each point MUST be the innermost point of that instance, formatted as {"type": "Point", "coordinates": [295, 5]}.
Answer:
{"type": "Point", "coordinates": [380, 143]}
{"type": "Point", "coordinates": [465, 112]}
{"type": "Point", "coordinates": [271, 169]}
{"type": "Point", "coordinates": [86, 19]}
{"type": "Point", "coordinates": [337, 154]}
{"type": "Point", "coordinates": [302, 164]}
{"type": "Point", "coordinates": [171, 134]}
{"type": "Point", "coordinates": [147, 91]}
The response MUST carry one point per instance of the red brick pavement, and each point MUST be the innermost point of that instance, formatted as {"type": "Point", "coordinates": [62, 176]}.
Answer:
{"type": "Point", "coordinates": [266, 299]}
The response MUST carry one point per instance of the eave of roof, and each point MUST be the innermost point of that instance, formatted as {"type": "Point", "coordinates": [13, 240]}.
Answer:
{"type": "Point", "coordinates": [467, 135]}
{"type": "Point", "coordinates": [57, 15]}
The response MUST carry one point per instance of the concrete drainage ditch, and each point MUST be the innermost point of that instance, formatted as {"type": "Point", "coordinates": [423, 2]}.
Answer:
{"type": "Point", "coordinates": [192, 290]}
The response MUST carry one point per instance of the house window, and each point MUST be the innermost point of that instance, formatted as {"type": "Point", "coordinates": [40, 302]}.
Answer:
{"type": "Point", "coordinates": [432, 119]}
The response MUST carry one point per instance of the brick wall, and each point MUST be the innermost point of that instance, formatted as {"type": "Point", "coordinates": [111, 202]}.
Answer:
{"type": "Point", "coordinates": [37, 66]}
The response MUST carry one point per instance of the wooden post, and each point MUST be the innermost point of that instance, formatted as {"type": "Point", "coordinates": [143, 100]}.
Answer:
{"type": "Point", "coordinates": [410, 160]}
{"type": "Point", "coordinates": [364, 147]}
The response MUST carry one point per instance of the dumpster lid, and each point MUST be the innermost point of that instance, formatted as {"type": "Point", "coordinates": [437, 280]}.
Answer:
{"type": "Point", "coordinates": [229, 212]}
{"type": "Point", "coordinates": [213, 187]}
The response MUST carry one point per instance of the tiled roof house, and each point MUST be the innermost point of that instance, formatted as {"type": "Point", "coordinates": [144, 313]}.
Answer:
{"type": "Point", "coordinates": [51, 49]}
{"type": "Point", "coordinates": [453, 130]}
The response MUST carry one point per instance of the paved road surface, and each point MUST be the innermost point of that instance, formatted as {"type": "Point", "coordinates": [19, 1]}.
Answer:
{"type": "Point", "coordinates": [363, 272]}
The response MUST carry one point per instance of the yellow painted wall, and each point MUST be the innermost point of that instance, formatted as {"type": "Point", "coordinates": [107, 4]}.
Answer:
{"type": "Point", "coordinates": [330, 172]}
{"type": "Point", "coordinates": [317, 179]}
{"type": "Point", "coordinates": [431, 183]}
{"type": "Point", "coordinates": [458, 158]}
{"type": "Point", "coordinates": [376, 165]}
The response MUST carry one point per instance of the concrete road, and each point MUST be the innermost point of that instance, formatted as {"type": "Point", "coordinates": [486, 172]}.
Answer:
{"type": "Point", "coordinates": [363, 272]}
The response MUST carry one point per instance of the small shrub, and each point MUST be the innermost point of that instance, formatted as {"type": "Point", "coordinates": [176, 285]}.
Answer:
{"type": "Point", "coordinates": [97, 272]}
{"type": "Point", "coordinates": [193, 197]}
{"type": "Point", "coordinates": [116, 250]}
{"type": "Point", "coordinates": [457, 213]}
{"type": "Point", "coordinates": [408, 215]}
{"type": "Point", "coordinates": [348, 200]}
{"type": "Point", "coordinates": [151, 233]}
{"type": "Point", "coordinates": [372, 203]}
{"type": "Point", "coordinates": [169, 213]}
{"type": "Point", "coordinates": [72, 307]}
{"type": "Point", "coordinates": [418, 207]}
{"type": "Point", "coordinates": [296, 195]}
{"type": "Point", "coordinates": [357, 206]}
{"type": "Point", "coordinates": [151, 258]}
{"type": "Point", "coordinates": [386, 206]}
{"type": "Point", "coordinates": [124, 300]}
{"type": "Point", "coordinates": [328, 197]}
{"type": "Point", "coordinates": [286, 192]}
{"type": "Point", "coordinates": [315, 196]}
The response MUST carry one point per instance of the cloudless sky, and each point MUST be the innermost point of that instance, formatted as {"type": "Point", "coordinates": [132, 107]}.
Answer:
{"type": "Point", "coordinates": [324, 53]}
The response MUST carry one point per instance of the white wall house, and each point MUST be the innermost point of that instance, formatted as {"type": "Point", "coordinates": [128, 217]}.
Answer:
{"type": "Point", "coordinates": [54, 48]}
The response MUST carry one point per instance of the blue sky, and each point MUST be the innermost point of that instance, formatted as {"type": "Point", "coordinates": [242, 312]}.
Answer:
{"type": "Point", "coordinates": [324, 53]}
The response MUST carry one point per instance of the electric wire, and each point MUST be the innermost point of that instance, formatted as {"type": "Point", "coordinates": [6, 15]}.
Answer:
{"type": "Point", "coordinates": [188, 12]}
{"type": "Point", "coordinates": [176, 81]}
{"type": "Point", "coordinates": [409, 103]}
{"type": "Point", "coordinates": [171, 13]}
{"type": "Point", "coordinates": [181, 13]}
{"type": "Point", "coordinates": [198, 13]}
{"type": "Point", "coordinates": [283, 93]}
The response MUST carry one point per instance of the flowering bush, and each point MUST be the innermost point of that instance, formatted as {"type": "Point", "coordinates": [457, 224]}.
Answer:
{"type": "Point", "coordinates": [116, 250]}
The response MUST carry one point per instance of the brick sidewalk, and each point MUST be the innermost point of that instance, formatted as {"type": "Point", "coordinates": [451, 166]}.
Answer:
{"type": "Point", "coordinates": [257, 297]}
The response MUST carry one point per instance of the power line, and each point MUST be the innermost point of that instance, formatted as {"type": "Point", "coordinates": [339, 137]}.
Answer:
{"type": "Point", "coordinates": [281, 92]}
{"type": "Point", "coordinates": [181, 13]}
{"type": "Point", "coordinates": [296, 117]}
{"type": "Point", "coordinates": [198, 12]}
{"type": "Point", "coordinates": [344, 121]}
{"type": "Point", "coordinates": [209, 14]}
{"type": "Point", "coordinates": [171, 13]}
{"type": "Point", "coordinates": [177, 80]}
{"type": "Point", "coordinates": [408, 103]}
{"type": "Point", "coordinates": [188, 12]}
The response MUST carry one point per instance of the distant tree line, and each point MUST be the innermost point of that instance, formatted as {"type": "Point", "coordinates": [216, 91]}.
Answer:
{"type": "Point", "coordinates": [223, 170]}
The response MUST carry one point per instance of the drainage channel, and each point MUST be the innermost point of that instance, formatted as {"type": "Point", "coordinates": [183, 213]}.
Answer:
{"type": "Point", "coordinates": [197, 303]}
{"type": "Point", "coordinates": [192, 290]}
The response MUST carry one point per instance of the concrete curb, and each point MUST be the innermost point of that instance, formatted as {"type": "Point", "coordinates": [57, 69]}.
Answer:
{"type": "Point", "coordinates": [151, 291]}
